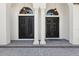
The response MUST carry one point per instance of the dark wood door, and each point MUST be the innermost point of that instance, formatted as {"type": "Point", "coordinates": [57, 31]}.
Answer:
{"type": "Point", "coordinates": [26, 27]}
{"type": "Point", "coordinates": [52, 27]}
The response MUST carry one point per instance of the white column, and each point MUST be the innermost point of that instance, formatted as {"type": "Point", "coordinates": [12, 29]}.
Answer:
{"type": "Point", "coordinates": [42, 42]}
{"type": "Point", "coordinates": [75, 24]}
{"type": "Point", "coordinates": [4, 28]}
{"type": "Point", "coordinates": [36, 41]}
{"type": "Point", "coordinates": [70, 22]}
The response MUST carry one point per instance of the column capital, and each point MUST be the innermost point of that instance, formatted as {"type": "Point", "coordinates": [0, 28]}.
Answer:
{"type": "Point", "coordinates": [43, 6]}
{"type": "Point", "coordinates": [35, 5]}
{"type": "Point", "coordinates": [43, 11]}
{"type": "Point", "coordinates": [39, 5]}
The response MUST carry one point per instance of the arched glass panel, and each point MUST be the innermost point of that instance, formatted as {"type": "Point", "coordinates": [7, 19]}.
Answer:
{"type": "Point", "coordinates": [26, 10]}
{"type": "Point", "coordinates": [52, 12]}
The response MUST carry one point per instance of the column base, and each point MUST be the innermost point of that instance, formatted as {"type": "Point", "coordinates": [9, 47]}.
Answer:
{"type": "Point", "coordinates": [36, 43]}
{"type": "Point", "coordinates": [42, 42]}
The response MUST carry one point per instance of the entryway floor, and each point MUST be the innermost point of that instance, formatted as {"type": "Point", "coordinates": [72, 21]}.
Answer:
{"type": "Point", "coordinates": [54, 43]}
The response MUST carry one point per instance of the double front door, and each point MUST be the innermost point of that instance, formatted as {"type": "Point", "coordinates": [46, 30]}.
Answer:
{"type": "Point", "coordinates": [26, 27]}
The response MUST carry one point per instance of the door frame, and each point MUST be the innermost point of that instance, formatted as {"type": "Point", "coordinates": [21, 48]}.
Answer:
{"type": "Point", "coordinates": [18, 26]}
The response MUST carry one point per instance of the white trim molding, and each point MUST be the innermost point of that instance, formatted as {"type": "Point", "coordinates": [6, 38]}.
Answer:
{"type": "Point", "coordinates": [26, 15]}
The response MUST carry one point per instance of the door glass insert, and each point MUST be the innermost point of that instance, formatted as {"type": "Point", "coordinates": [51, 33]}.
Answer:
{"type": "Point", "coordinates": [52, 12]}
{"type": "Point", "coordinates": [26, 10]}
